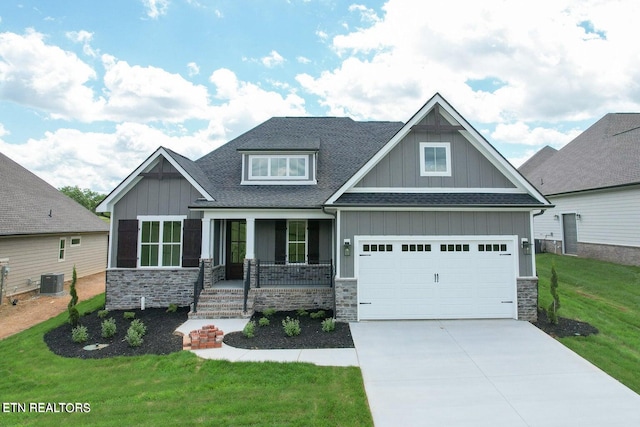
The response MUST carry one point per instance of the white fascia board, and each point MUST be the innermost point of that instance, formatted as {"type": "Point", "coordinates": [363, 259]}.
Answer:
{"type": "Point", "coordinates": [430, 209]}
{"type": "Point", "coordinates": [265, 214]}
{"type": "Point", "coordinates": [425, 190]}
{"type": "Point", "coordinates": [134, 177]}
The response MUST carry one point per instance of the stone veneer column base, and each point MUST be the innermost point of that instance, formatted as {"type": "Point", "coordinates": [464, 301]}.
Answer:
{"type": "Point", "coordinates": [288, 299]}
{"type": "Point", "coordinates": [346, 296]}
{"type": "Point", "coordinates": [527, 298]}
{"type": "Point", "coordinates": [159, 287]}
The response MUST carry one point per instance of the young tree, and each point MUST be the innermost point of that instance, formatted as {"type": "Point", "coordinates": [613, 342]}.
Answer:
{"type": "Point", "coordinates": [74, 315]}
{"type": "Point", "coordinates": [552, 311]}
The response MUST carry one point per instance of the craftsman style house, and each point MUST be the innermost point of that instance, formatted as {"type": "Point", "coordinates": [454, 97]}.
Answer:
{"type": "Point", "coordinates": [375, 220]}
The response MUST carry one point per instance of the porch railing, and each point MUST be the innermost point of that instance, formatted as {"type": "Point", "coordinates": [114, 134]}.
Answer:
{"type": "Point", "coordinates": [198, 286]}
{"type": "Point", "coordinates": [275, 273]}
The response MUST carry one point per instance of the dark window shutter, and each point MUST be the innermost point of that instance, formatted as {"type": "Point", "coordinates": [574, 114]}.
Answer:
{"type": "Point", "coordinates": [281, 241]}
{"type": "Point", "coordinates": [191, 242]}
{"type": "Point", "coordinates": [127, 256]}
{"type": "Point", "coordinates": [313, 227]}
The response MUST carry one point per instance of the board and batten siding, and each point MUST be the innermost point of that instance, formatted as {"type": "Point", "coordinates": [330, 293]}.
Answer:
{"type": "Point", "coordinates": [401, 167]}
{"type": "Point", "coordinates": [152, 196]}
{"type": "Point", "coordinates": [266, 240]}
{"type": "Point", "coordinates": [389, 223]}
{"type": "Point", "coordinates": [32, 256]}
{"type": "Point", "coordinates": [606, 217]}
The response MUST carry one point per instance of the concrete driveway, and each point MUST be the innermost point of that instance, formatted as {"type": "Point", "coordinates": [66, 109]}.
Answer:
{"type": "Point", "coordinates": [483, 373]}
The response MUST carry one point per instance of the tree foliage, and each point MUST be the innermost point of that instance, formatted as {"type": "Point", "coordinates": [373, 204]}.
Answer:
{"type": "Point", "coordinates": [74, 315]}
{"type": "Point", "coordinates": [552, 311]}
{"type": "Point", "coordinates": [86, 197]}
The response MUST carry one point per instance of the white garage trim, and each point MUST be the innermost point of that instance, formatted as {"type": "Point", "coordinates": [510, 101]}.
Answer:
{"type": "Point", "coordinates": [423, 293]}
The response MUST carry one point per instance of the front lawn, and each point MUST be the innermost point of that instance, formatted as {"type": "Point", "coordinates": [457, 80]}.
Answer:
{"type": "Point", "coordinates": [607, 296]}
{"type": "Point", "coordinates": [177, 389]}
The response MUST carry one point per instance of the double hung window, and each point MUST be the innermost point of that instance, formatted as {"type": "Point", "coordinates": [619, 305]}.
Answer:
{"type": "Point", "coordinates": [435, 159]}
{"type": "Point", "coordinates": [297, 241]}
{"type": "Point", "coordinates": [160, 242]}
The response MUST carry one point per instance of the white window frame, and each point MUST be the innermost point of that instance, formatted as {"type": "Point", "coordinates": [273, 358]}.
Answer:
{"type": "Point", "coordinates": [270, 158]}
{"type": "Point", "coordinates": [62, 249]}
{"type": "Point", "coordinates": [447, 147]}
{"type": "Point", "coordinates": [161, 220]}
{"type": "Point", "coordinates": [306, 241]}
{"type": "Point", "coordinates": [75, 244]}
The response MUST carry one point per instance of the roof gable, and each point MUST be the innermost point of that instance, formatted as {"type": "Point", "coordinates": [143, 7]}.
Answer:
{"type": "Point", "coordinates": [607, 154]}
{"type": "Point", "coordinates": [29, 205]}
{"type": "Point", "coordinates": [185, 167]}
{"type": "Point", "coordinates": [453, 123]}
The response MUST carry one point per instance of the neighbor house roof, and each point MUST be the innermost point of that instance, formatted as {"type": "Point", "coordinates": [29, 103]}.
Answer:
{"type": "Point", "coordinates": [606, 155]}
{"type": "Point", "coordinates": [28, 205]}
{"type": "Point", "coordinates": [537, 159]}
{"type": "Point", "coordinates": [343, 146]}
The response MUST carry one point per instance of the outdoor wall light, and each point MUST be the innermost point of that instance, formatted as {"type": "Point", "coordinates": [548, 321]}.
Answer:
{"type": "Point", "coordinates": [578, 216]}
{"type": "Point", "coordinates": [556, 217]}
{"type": "Point", "coordinates": [347, 247]}
{"type": "Point", "coordinates": [526, 246]}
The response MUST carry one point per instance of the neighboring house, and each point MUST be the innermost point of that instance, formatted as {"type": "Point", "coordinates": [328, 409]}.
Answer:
{"type": "Point", "coordinates": [594, 183]}
{"type": "Point", "coordinates": [376, 220]}
{"type": "Point", "coordinates": [42, 231]}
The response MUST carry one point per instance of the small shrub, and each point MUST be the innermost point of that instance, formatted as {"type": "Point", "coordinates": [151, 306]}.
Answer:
{"type": "Point", "coordinates": [328, 324]}
{"type": "Point", "coordinates": [249, 329]}
{"type": "Point", "coordinates": [133, 338]}
{"type": "Point", "coordinates": [302, 312]}
{"type": "Point", "coordinates": [263, 321]}
{"type": "Point", "coordinates": [129, 315]}
{"type": "Point", "coordinates": [103, 313]}
{"type": "Point", "coordinates": [172, 308]}
{"type": "Point", "coordinates": [79, 334]}
{"type": "Point", "coordinates": [108, 328]}
{"type": "Point", "coordinates": [138, 326]}
{"type": "Point", "coordinates": [268, 312]}
{"type": "Point", "coordinates": [552, 311]}
{"type": "Point", "coordinates": [291, 326]}
{"type": "Point", "coordinates": [320, 314]}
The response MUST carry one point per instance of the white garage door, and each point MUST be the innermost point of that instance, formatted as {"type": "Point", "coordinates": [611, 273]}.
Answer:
{"type": "Point", "coordinates": [454, 278]}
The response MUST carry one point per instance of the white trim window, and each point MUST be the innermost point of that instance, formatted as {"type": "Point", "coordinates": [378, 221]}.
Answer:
{"type": "Point", "coordinates": [296, 241]}
{"type": "Point", "coordinates": [62, 249]}
{"type": "Point", "coordinates": [160, 241]}
{"type": "Point", "coordinates": [278, 167]}
{"type": "Point", "coordinates": [76, 241]}
{"type": "Point", "coordinates": [435, 159]}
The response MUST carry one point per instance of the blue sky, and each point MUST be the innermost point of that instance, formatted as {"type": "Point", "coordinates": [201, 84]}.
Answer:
{"type": "Point", "coordinates": [88, 89]}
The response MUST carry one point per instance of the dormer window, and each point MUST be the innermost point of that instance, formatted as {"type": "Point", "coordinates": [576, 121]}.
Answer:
{"type": "Point", "coordinates": [278, 167]}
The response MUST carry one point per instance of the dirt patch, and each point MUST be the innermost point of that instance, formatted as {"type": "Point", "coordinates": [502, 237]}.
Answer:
{"type": "Point", "coordinates": [272, 336]}
{"type": "Point", "coordinates": [565, 327]}
{"type": "Point", "coordinates": [32, 310]}
{"type": "Point", "coordinates": [160, 337]}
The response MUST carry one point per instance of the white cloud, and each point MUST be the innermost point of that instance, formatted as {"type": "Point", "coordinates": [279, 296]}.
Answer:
{"type": "Point", "coordinates": [146, 94]}
{"type": "Point", "coordinates": [85, 38]}
{"type": "Point", "coordinates": [366, 14]}
{"type": "Point", "coordinates": [46, 77]}
{"type": "Point", "coordinates": [272, 60]}
{"type": "Point", "coordinates": [155, 8]}
{"type": "Point", "coordinates": [245, 104]}
{"type": "Point", "coordinates": [551, 68]}
{"type": "Point", "coordinates": [3, 131]}
{"type": "Point", "coordinates": [521, 133]}
{"type": "Point", "coordinates": [193, 68]}
{"type": "Point", "coordinates": [303, 60]}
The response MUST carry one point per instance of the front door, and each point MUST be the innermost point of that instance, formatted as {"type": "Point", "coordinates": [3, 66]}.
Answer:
{"type": "Point", "coordinates": [236, 248]}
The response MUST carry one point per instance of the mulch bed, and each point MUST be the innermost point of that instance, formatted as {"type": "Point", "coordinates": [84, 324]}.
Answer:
{"type": "Point", "coordinates": [565, 327]}
{"type": "Point", "coordinates": [272, 336]}
{"type": "Point", "coordinates": [159, 339]}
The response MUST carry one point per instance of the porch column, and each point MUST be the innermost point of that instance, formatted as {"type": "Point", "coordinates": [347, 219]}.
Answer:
{"type": "Point", "coordinates": [206, 239]}
{"type": "Point", "coordinates": [251, 238]}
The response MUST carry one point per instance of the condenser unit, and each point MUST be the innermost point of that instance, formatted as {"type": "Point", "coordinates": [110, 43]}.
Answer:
{"type": "Point", "coordinates": [52, 284]}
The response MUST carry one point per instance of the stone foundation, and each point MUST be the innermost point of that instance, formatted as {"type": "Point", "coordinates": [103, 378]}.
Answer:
{"type": "Point", "coordinates": [160, 287]}
{"type": "Point", "coordinates": [527, 298]}
{"type": "Point", "coordinates": [297, 275]}
{"type": "Point", "coordinates": [346, 300]}
{"type": "Point", "coordinates": [288, 299]}
{"type": "Point", "coordinates": [627, 255]}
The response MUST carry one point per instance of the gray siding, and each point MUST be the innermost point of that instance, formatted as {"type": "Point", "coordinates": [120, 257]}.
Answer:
{"type": "Point", "coordinates": [401, 167]}
{"type": "Point", "coordinates": [266, 240]}
{"type": "Point", "coordinates": [32, 256]}
{"type": "Point", "coordinates": [152, 196]}
{"type": "Point", "coordinates": [389, 223]}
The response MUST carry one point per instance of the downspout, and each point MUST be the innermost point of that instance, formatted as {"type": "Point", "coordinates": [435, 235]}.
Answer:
{"type": "Point", "coordinates": [534, 256]}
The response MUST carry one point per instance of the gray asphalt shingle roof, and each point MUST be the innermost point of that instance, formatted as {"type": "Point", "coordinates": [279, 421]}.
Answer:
{"type": "Point", "coordinates": [26, 201]}
{"type": "Point", "coordinates": [605, 155]}
{"type": "Point", "coordinates": [344, 146]}
{"type": "Point", "coordinates": [438, 199]}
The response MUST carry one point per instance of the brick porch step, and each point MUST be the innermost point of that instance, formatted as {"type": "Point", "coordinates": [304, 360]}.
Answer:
{"type": "Point", "coordinates": [222, 304]}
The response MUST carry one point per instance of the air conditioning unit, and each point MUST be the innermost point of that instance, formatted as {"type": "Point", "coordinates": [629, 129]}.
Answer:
{"type": "Point", "coordinates": [52, 284]}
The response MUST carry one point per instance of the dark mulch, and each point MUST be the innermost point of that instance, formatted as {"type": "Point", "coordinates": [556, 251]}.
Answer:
{"type": "Point", "coordinates": [565, 327]}
{"type": "Point", "coordinates": [159, 339]}
{"type": "Point", "coordinates": [311, 336]}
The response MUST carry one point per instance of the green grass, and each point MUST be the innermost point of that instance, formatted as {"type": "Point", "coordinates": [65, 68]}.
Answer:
{"type": "Point", "coordinates": [607, 296]}
{"type": "Point", "coordinates": [178, 389]}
